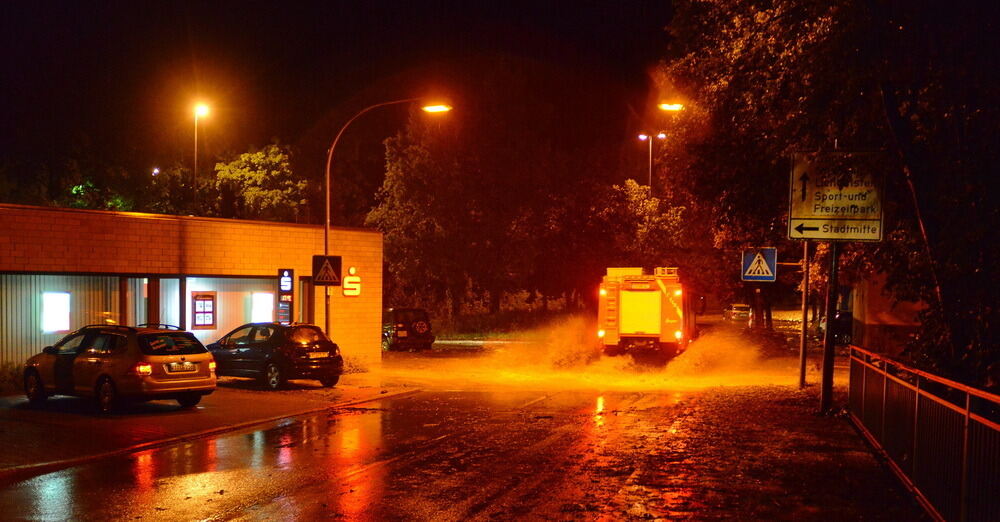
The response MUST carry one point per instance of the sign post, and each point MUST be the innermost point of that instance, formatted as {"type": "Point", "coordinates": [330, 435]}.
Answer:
{"type": "Point", "coordinates": [286, 292]}
{"type": "Point", "coordinates": [760, 264]}
{"type": "Point", "coordinates": [803, 338]}
{"type": "Point", "coordinates": [326, 273]}
{"type": "Point", "coordinates": [821, 208]}
{"type": "Point", "coordinates": [834, 207]}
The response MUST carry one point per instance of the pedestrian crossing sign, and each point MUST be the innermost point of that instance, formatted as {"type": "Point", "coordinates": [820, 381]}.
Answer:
{"type": "Point", "coordinates": [760, 264]}
{"type": "Point", "coordinates": [326, 270]}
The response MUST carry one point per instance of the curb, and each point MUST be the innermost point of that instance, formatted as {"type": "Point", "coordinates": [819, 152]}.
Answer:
{"type": "Point", "coordinates": [479, 342]}
{"type": "Point", "coordinates": [17, 473]}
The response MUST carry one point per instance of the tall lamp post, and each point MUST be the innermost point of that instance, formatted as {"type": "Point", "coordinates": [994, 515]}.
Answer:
{"type": "Point", "coordinates": [200, 111]}
{"type": "Point", "coordinates": [649, 138]}
{"type": "Point", "coordinates": [668, 107]}
{"type": "Point", "coordinates": [435, 108]}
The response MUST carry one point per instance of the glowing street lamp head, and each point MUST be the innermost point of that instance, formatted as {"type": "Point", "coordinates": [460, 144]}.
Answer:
{"type": "Point", "coordinates": [441, 107]}
{"type": "Point", "coordinates": [671, 106]}
{"type": "Point", "coordinates": [643, 137]}
{"type": "Point", "coordinates": [200, 110]}
{"type": "Point", "coordinates": [661, 135]}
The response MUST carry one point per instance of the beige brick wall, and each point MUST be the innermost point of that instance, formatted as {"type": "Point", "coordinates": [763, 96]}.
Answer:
{"type": "Point", "coordinates": [54, 240]}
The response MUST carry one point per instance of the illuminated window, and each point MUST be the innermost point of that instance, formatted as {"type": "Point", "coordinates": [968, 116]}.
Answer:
{"type": "Point", "coordinates": [262, 310]}
{"type": "Point", "coordinates": [203, 310]}
{"type": "Point", "coordinates": [55, 312]}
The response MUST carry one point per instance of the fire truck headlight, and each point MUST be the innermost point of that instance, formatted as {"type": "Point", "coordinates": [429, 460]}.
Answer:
{"type": "Point", "coordinates": [679, 334]}
{"type": "Point", "coordinates": [600, 334]}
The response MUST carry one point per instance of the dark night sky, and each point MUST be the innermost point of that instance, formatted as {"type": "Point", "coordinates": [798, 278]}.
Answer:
{"type": "Point", "coordinates": [120, 77]}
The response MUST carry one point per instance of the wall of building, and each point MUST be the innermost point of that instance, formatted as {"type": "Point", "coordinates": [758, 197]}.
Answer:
{"type": "Point", "coordinates": [93, 300]}
{"type": "Point", "coordinates": [881, 323]}
{"type": "Point", "coordinates": [54, 241]}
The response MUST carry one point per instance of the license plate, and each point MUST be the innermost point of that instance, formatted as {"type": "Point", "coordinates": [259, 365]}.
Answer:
{"type": "Point", "coordinates": [318, 355]}
{"type": "Point", "coordinates": [401, 334]}
{"type": "Point", "coordinates": [181, 367]}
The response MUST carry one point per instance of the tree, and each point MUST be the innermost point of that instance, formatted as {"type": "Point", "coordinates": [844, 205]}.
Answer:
{"type": "Point", "coordinates": [917, 81]}
{"type": "Point", "coordinates": [467, 200]}
{"type": "Point", "coordinates": [260, 185]}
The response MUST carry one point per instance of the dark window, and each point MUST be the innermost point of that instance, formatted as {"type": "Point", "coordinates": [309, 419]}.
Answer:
{"type": "Point", "coordinates": [105, 344]}
{"type": "Point", "coordinates": [240, 337]}
{"type": "Point", "coordinates": [306, 335]}
{"type": "Point", "coordinates": [263, 334]}
{"type": "Point", "coordinates": [410, 316]}
{"type": "Point", "coordinates": [170, 343]}
{"type": "Point", "coordinates": [71, 344]}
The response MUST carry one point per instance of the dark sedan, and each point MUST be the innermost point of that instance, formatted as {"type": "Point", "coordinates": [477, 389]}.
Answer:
{"type": "Point", "coordinates": [274, 353]}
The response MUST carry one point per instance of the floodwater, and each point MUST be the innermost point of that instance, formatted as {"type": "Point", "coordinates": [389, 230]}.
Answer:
{"type": "Point", "coordinates": [566, 356]}
{"type": "Point", "coordinates": [542, 429]}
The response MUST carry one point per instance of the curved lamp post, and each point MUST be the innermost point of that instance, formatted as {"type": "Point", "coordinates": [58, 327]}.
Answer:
{"type": "Point", "coordinates": [435, 108]}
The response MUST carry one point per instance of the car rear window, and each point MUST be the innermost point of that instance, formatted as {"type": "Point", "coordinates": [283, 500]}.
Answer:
{"type": "Point", "coordinates": [410, 316]}
{"type": "Point", "coordinates": [742, 308]}
{"type": "Point", "coordinates": [170, 343]}
{"type": "Point", "coordinates": [306, 334]}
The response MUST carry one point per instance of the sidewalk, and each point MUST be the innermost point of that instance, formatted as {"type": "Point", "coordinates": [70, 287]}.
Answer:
{"type": "Point", "coordinates": [66, 431]}
{"type": "Point", "coordinates": [763, 453]}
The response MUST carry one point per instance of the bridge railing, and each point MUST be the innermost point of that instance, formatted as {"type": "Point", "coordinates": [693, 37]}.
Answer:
{"type": "Point", "coordinates": [941, 437]}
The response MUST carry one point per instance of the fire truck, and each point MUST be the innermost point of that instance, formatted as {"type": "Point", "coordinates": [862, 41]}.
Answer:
{"type": "Point", "coordinates": [643, 313]}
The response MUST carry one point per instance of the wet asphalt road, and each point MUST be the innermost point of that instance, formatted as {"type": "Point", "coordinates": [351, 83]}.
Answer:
{"type": "Point", "coordinates": [440, 455]}
{"type": "Point", "coordinates": [513, 432]}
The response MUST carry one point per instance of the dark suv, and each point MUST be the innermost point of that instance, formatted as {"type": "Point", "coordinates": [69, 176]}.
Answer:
{"type": "Point", "coordinates": [406, 329]}
{"type": "Point", "coordinates": [274, 353]}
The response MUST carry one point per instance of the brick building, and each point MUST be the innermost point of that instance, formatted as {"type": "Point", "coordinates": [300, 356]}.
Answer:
{"type": "Point", "coordinates": [63, 268]}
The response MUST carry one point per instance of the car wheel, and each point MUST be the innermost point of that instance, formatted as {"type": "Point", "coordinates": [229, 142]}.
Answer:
{"type": "Point", "coordinates": [33, 388]}
{"type": "Point", "coordinates": [107, 396]}
{"type": "Point", "coordinates": [329, 382]}
{"type": "Point", "coordinates": [190, 400]}
{"type": "Point", "coordinates": [274, 377]}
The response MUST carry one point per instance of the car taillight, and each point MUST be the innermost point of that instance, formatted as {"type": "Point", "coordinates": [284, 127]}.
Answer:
{"type": "Point", "coordinates": [211, 366]}
{"type": "Point", "coordinates": [144, 369]}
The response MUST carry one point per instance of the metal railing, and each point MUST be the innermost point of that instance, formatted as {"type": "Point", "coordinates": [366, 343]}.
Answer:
{"type": "Point", "coordinates": [941, 437]}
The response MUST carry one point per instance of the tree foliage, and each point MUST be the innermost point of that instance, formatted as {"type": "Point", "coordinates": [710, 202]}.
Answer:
{"type": "Point", "coordinates": [513, 192]}
{"type": "Point", "coordinates": [260, 185]}
{"type": "Point", "coordinates": [765, 78]}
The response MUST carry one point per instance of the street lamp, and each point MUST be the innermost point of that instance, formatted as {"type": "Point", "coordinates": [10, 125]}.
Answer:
{"type": "Point", "coordinates": [200, 111]}
{"type": "Point", "coordinates": [430, 108]}
{"type": "Point", "coordinates": [663, 106]}
{"type": "Point", "coordinates": [649, 138]}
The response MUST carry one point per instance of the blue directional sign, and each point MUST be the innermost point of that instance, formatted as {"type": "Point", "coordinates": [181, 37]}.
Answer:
{"type": "Point", "coordinates": [760, 264]}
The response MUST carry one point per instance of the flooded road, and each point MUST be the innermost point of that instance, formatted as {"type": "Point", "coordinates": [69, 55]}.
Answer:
{"type": "Point", "coordinates": [434, 455]}
{"type": "Point", "coordinates": [538, 430]}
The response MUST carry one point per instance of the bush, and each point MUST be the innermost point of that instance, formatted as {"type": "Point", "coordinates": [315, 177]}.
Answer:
{"type": "Point", "coordinates": [10, 378]}
{"type": "Point", "coordinates": [496, 325]}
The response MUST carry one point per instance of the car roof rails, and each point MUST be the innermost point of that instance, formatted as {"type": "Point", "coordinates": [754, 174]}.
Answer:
{"type": "Point", "coordinates": [119, 326]}
{"type": "Point", "coordinates": [162, 326]}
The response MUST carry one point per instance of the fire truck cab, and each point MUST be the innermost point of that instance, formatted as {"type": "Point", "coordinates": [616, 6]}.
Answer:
{"type": "Point", "coordinates": [639, 312]}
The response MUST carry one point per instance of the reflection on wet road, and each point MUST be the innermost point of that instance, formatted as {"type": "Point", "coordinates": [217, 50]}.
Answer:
{"type": "Point", "coordinates": [435, 455]}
